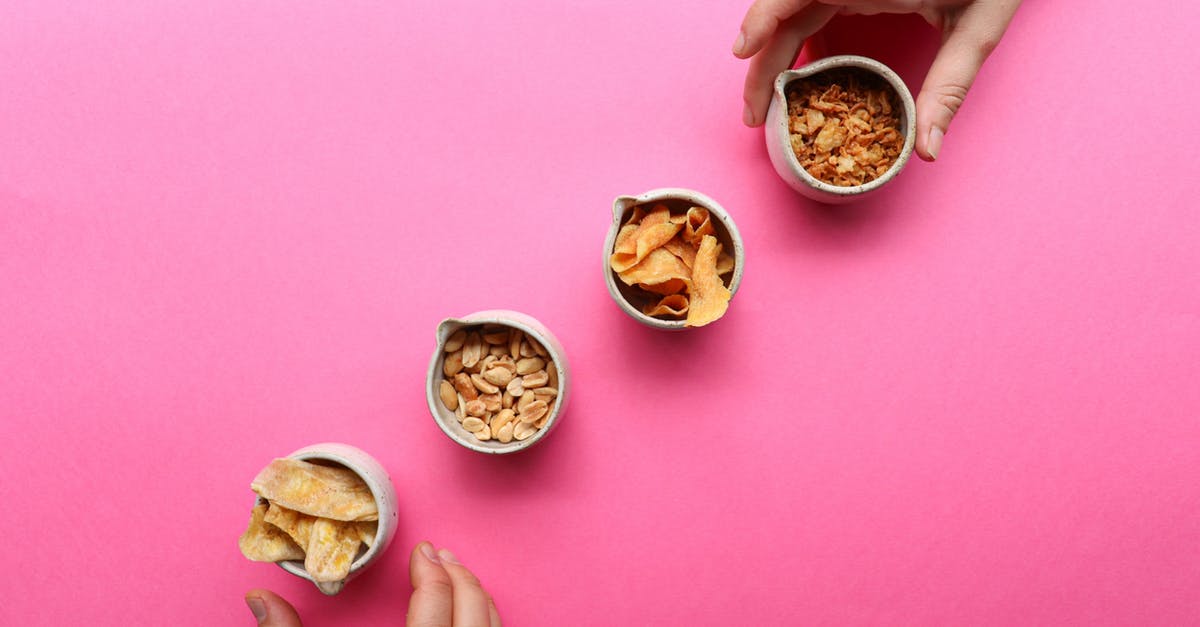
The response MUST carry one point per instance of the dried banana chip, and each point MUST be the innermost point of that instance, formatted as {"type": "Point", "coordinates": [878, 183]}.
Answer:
{"type": "Point", "coordinates": [331, 550]}
{"type": "Point", "coordinates": [266, 543]}
{"type": "Point", "coordinates": [323, 491]}
{"type": "Point", "coordinates": [298, 526]}
{"type": "Point", "coordinates": [366, 531]}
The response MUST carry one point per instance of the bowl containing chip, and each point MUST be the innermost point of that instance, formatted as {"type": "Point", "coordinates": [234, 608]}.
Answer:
{"type": "Point", "coordinates": [673, 258]}
{"type": "Point", "coordinates": [498, 381]}
{"type": "Point", "coordinates": [324, 513]}
{"type": "Point", "coordinates": [840, 128]}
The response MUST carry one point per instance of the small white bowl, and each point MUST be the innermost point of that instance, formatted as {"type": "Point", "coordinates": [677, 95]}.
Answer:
{"type": "Point", "coordinates": [376, 478]}
{"type": "Point", "coordinates": [779, 141]}
{"type": "Point", "coordinates": [679, 199]}
{"type": "Point", "coordinates": [446, 419]}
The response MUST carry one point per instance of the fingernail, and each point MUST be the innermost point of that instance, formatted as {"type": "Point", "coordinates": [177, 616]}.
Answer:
{"type": "Point", "coordinates": [748, 115]}
{"type": "Point", "coordinates": [427, 551]}
{"type": "Point", "coordinates": [740, 43]}
{"type": "Point", "coordinates": [448, 557]}
{"type": "Point", "coordinates": [257, 607]}
{"type": "Point", "coordinates": [935, 142]}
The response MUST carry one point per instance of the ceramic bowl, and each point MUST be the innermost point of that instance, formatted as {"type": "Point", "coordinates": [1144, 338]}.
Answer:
{"type": "Point", "coordinates": [629, 298]}
{"type": "Point", "coordinates": [446, 419]}
{"type": "Point", "coordinates": [778, 136]}
{"type": "Point", "coordinates": [376, 478]}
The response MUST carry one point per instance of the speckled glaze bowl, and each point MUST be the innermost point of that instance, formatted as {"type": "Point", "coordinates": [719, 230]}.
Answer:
{"type": "Point", "coordinates": [778, 136]}
{"type": "Point", "coordinates": [678, 198]}
{"type": "Point", "coordinates": [446, 419]}
{"type": "Point", "coordinates": [377, 479]}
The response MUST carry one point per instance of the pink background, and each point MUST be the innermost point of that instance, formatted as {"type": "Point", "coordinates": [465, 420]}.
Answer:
{"type": "Point", "coordinates": [229, 229]}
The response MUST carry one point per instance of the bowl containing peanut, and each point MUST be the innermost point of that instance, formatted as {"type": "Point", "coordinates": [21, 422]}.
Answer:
{"type": "Point", "coordinates": [840, 128]}
{"type": "Point", "coordinates": [498, 381]}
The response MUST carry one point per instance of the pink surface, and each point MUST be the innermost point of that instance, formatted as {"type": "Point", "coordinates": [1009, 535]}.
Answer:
{"type": "Point", "coordinates": [228, 230]}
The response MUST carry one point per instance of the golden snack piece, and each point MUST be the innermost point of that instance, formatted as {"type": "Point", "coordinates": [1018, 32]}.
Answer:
{"type": "Point", "coordinates": [366, 531]}
{"type": "Point", "coordinates": [666, 270]}
{"type": "Point", "coordinates": [675, 305]}
{"type": "Point", "coordinates": [298, 526]}
{"type": "Point", "coordinates": [263, 542]}
{"type": "Point", "coordinates": [324, 491]}
{"type": "Point", "coordinates": [845, 126]}
{"type": "Point", "coordinates": [710, 298]}
{"type": "Point", "coordinates": [331, 549]}
{"type": "Point", "coordinates": [659, 266]}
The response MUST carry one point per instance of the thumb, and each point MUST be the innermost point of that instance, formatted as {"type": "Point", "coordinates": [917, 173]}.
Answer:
{"type": "Point", "coordinates": [969, 37]}
{"type": "Point", "coordinates": [270, 610]}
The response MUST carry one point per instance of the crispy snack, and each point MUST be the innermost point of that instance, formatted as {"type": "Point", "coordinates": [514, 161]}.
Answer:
{"type": "Point", "coordinates": [675, 305]}
{"type": "Point", "coordinates": [323, 491]}
{"type": "Point", "coordinates": [699, 224]}
{"type": "Point", "coordinates": [331, 549]}
{"type": "Point", "coordinates": [710, 297]}
{"type": "Point", "coordinates": [654, 230]}
{"type": "Point", "coordinates": [366, 531]}
{"type": "Point", "coordinates": [298, 526]}
{"type": "Point", "coordinates": [665, 277]}
{"type": "Point", "coordinates": [263, 542]}
{"type": "Point", "coordinates": [659, 266]}
{"type": "Point", "coordinates": [845, 126]}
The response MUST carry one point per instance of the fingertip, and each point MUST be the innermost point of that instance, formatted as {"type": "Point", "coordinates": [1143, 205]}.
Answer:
{"type": "Point", "coordinates": [426, 549]}
{"type": "Point", "coordinates": [933, 145]}
{"type": "Point", "coordinates": [270, 609]}
{"type": "Point", "coordinates": [739, 45]}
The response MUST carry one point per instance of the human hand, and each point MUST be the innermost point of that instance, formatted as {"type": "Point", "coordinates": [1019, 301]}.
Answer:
{"type": "Point", "coordinates": [445, 594]}
{"type": "Point", "coordinates": [773, 32]}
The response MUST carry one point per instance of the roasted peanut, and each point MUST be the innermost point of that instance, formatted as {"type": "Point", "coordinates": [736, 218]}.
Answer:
{"type": "Point", "coordinates": [530, 364]}
{"type": "Point", "coordinates": [449, 396]}
{"type": "Point", "coordinates": [482, 384]}
{"type": "Point", "coordinates": [455, 341]}
{"type": "Point", "coordinates": [462, 383]}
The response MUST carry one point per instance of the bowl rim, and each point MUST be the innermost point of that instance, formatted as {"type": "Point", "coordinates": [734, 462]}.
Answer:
{"type": "Point", "coordinates": [509, 318]}
{"type": "Point", "coordinates": [783, 133]}
{"type": "Point", "coordinates": [621, 204]}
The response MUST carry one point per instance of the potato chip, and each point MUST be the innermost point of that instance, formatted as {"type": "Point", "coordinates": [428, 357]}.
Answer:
{"type": "Point", "coordinates": [331, 550]}
{"type": "Point", "coordinates": [724, 263]}
{"type": "Point", "coordinates": [624, 249]}
{"type": "Point", "coordinates": [323, 491]}
{"type": "Point", "coordinates": [673, 305]}
{"type": "Point", "coordinates": [297, 525]}
{"type": "Point", "coordinates": [699, 224]}
{"type": "Point", "coordinates": [658, 267]}
{"type": "Point", "coordinates": [636, 216]}
{"type": "Point", "coordinates": [653, 231]}
{"type": "Point", "coordinates": [266, 543]}
{"type": "Point", "coordinates": [654, 237]}
{"type": "Point", "coordinates": [685, 251]}
{"type": "Point", "coordinates": [666, 288]}
{"type": "Point", "coordinates": [710, 297]}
